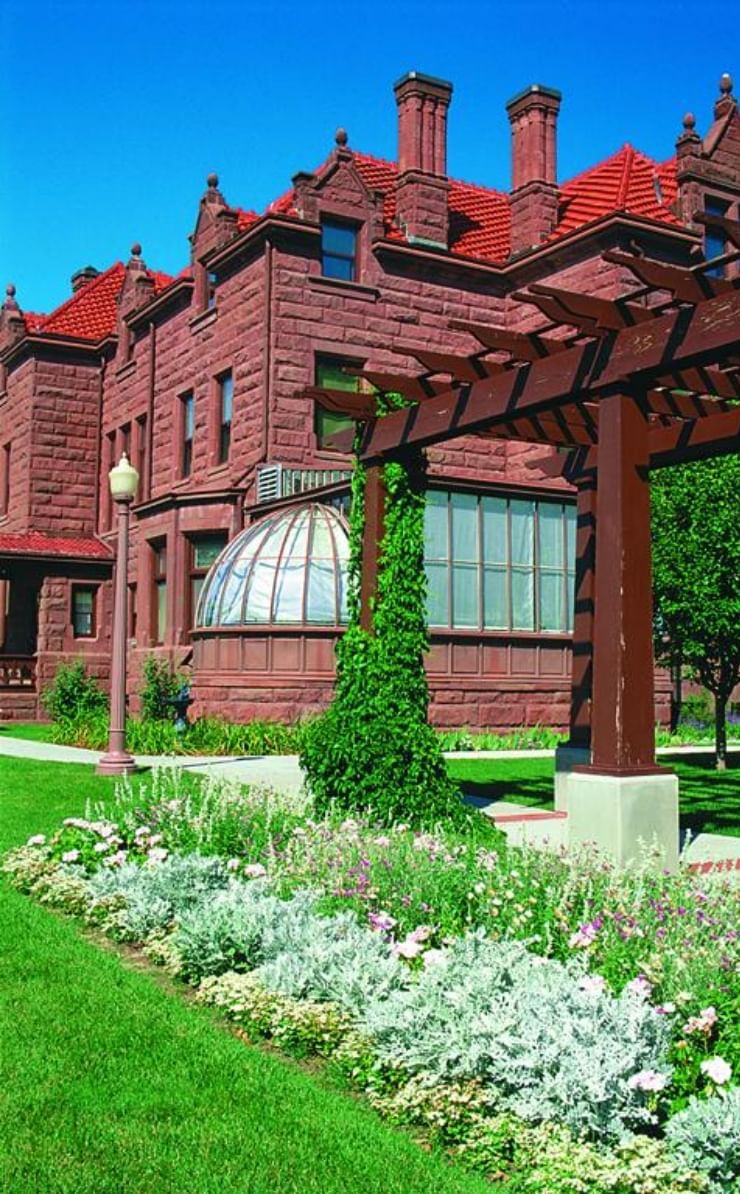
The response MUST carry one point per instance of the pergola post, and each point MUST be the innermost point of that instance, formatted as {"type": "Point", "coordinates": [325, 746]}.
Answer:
{"type": "Point", "coordinates": [577, 750]}
{"type": "Point", "coordinates": [623, 798]}
{"type": "Point", "coordinates": [372, 537]}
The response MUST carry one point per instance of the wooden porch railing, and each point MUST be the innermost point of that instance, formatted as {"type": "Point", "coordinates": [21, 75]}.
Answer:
{"type": "Point", "coordinates": [18, 671]}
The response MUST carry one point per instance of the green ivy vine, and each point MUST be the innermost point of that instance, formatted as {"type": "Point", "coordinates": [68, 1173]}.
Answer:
{"type": "Point", "coordinates": [373, 750]}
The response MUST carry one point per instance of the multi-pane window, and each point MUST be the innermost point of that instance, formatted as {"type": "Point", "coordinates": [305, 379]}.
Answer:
{"type": "Point", "coordinates": [225, 412]}
{"type": "Point", "coordinates": [204, 551]}
{"type": "Point", "coordinates": [714, 240]}
{"type": "Point", "coordinates": [187, 415]}
{"type": "Point", "coordinates": [211, 289]}
{"type": "Point", "coordinates": [140, 454]}
{"type": "Point", "coordinates": [338, 250]}
{"type": "Point", "coordinates": [159, 591]}
{"type": "Point", "coordinates": [83, 611]}
{"type": "Point", "coordinates": [5, 479]}
{"type": "Point", "coordinates": [330, 375]}
{"type": "Point", "coordinates": [496, 563]}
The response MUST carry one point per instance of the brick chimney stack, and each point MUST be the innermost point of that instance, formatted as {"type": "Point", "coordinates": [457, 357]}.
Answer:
{"type": "Point", "coordinates": [422, 189]}
{"type": "Point", "coordinates": [83, 276]}
{"type": "Point", "coordinates": [533, 115]}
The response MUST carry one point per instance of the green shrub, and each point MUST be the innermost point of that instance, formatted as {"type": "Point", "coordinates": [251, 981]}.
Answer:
{"type": "Point", "coordinates": [706, 1136]}
{"type": "Point", "coordinates": [159, 685]}
{"type": "Point", "coordinates": [73, 695]}
{"type": "Point", "coordinates": [374, 749]}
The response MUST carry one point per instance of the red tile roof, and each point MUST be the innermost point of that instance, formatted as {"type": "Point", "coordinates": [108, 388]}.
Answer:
{"type": "Point", "coordinates": [38, 544]}
{"type": "Point", "coordinates": [90, 313]}
{"type": "Point", "coordinates": [480, 225]}
{"type": "Point", "coordinates": [627, 181]}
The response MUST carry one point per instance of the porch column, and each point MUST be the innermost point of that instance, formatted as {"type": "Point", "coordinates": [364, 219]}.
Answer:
{"type": "Point", "coordinates": [577, 750]}
{"type": "Point", "coordinates": [623, 797]}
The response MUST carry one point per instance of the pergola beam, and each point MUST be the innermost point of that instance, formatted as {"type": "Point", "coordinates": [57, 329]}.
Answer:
{"type": "Point", "coordinates": [684, 338]}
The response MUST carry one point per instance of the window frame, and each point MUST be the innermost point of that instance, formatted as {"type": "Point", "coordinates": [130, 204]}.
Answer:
{"type": "Point", "coordinates": [333, 360]}
{"type": "Point", "coordinates": [159, 620]}
{"type": "Point", "coordinates": [533, 567]}
{"type": "Point", "coordinates": [715, 205]}
{"type": "Point", "coordinates": [5, 458]}
{"type": "Point", "coordinates": [224, 426]}
{"type": "Point", "coordinates": [186, 421]}
{"type": "Point", "coordinates": [332, 222]}
{"type": "Point", "coordinates": [75, 591]}
{"type": "Point", "coordinates": [199, 573]}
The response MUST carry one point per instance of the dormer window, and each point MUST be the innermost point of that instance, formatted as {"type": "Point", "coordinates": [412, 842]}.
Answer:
{"type": "Point", "coordinates": [714, 239]}
{"type": "Point", "coordinates": [338, 250]}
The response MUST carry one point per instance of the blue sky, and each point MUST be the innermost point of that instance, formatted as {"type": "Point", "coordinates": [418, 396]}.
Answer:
{"type": "Point", "coordinates": [113, 113]}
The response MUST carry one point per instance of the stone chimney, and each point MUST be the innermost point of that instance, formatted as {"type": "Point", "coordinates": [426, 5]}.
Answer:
{"type": "Point", "coordinates": [533, 115]}
{"type": "Point", "coordinates": [422, 190]}
{"type": "Point", "coordinates": [83, 276]}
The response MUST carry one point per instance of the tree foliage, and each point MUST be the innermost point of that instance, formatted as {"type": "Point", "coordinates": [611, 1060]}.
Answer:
{"type": "Point", "coordinates": [696, 575]}
{"type": "Point", "coordinates": [374, 749]}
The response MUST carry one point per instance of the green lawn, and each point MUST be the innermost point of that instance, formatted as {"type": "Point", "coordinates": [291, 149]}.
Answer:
{"type": "Point", "coordinates": [32, 731]}
{"type": "Point", "coordinates": [709, 799]}
{"type": "Point", "coordinates": [110, 1083]}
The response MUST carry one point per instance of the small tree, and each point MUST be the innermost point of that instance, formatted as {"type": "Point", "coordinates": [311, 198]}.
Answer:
{"type": "Point", "coordinates": [696, 577]}
{"type": "Point", "coordinates": [159, 685]}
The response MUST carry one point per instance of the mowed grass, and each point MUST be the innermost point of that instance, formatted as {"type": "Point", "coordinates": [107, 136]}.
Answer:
{"type": "Point", "coordinates": [709, 800]}
{"type": "Point", "coordinates": [111, 1083]}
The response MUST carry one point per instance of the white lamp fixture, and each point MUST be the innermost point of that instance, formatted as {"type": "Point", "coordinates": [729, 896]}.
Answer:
{"type": "Point", "coordinates": [123, 479]}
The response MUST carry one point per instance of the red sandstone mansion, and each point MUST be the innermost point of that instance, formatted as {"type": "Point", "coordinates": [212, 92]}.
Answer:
{"type": "Point", "coordinates": [199, 378]}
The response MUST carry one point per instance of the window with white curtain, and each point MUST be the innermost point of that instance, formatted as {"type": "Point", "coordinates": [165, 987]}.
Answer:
{"type": "Point", "coordinates": [498, 563]}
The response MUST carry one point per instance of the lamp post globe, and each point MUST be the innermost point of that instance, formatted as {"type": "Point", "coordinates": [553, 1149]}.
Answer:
{"type": "Point", "coordinates": [123, 480]}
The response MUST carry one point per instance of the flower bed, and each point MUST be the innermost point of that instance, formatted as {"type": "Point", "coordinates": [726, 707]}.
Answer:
{"type": "Point", "coordinates": [552, 1021]}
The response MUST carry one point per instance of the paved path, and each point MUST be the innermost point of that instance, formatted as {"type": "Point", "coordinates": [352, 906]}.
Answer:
{"type": "Point", "coordinates": [284, 773]}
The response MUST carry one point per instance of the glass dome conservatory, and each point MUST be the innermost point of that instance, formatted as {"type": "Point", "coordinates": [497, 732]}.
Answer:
{"type": "Point", "coordinates": [287, 569]}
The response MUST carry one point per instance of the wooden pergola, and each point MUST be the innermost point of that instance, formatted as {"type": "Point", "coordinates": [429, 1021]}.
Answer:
{"type": "Point", "coordinates": [620, 387]}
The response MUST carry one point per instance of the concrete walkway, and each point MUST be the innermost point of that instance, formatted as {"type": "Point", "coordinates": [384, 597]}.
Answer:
{"type": "Point", "coordinates": [284, 773]}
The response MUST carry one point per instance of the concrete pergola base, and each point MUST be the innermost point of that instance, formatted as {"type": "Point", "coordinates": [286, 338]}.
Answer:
{"type": "Point", "coordinates": [625, 815]}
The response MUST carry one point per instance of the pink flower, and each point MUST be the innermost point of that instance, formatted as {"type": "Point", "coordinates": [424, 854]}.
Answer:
{"type": "Point", "coordinates": [717, 1070]}
{"type": "Point", "coordinates": [649, 1080]}
{"type": "Point", "coordinates": [433, 957]}
{"type": "Point", "coordinates": [423, 933]}
{"type": "Point", "coordinates": [70, 856]}
{"type": "Point", "coordinates": [232, 864]}
{"type": "Point", "coordinates": [640, 986]}
{"type": "Point", "coordinates": [101, 847]}
{"type": "Point", "coordinates": [407, 949]}
{"type": "Point", "coordinates": [592, 984]}
{"type": "Point", "coordinates": [157, 854]}
{"type": "Point", "coordinates": [116, 859]}
{"type": "Point", "coordinates": [704, 1022]}
{"type": "Point", "coordinates": [583, 937]}
{"type": "Point", "coordinates": [381, 922]}
{"type": "Point", "coordinates": [382, 841]}
{"type": "Point", "coordinates": [38, 839]}
{"type": "Point", "coordinates": [254, 870]}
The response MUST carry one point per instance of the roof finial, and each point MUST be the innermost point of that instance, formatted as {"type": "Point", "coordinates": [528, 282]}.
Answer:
{"type": "Point", "coordinates": [725, 84]}
{"type": "Point", "coordinates": [136, 249]}
{"type": "Point", "coordinates": [10, 290]}
{"type": "Point", "coordinates": [341, 137]}
{"type": "Point", "coordinates": [212, 181]}
{"type": "Point", "coordinates": [689, 122]}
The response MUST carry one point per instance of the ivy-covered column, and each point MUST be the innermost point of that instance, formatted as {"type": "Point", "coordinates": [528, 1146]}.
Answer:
{"type": "Point", "coordinates": [374, 750]}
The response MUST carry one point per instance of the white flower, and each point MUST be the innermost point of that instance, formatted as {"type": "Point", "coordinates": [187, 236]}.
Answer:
{"type": "Point", "coordinates": [583, 937]}
{"type": "Point", "coordinates": [717, 1070]}
{"type": "Point", "coordinates": [479, 888]}
{"type": "Point", "coordinates": [116, 859]}
{"type": "Point", "coordinates": [433, 957]}
{"type": "Point", "coordinates": [101, 847]}
{"type": "Point", "coordinates": [666, 1009]}
{"type": "Point", "coordinates": [155, 839]}
{"type": "Point", "coordinates": [649, 1080]}
{"type": "Point", "coordinates": [38, 839]}
{"type": "Point", "coordinates": [143, 831]}
{"type": "Point", "coordinates": [255, 870]}
{"type": "Point", "coordinates": [382, 840]}
{"type": "Point", "coordinates": [157, 854]}
{"type": "Point", "coordinates": [70, 856]}
{"type": "Point", "coordinates": [704, 1022]}
{"type": "Point", "coordinates": [232, 864]}
{"type": "Point", "coordinates": [592, 984]}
